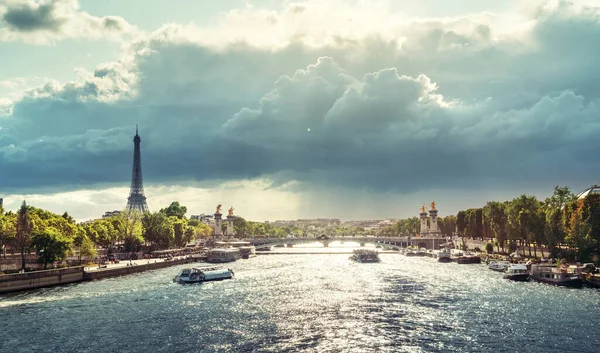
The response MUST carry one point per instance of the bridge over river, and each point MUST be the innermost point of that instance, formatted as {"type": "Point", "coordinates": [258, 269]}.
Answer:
{"type": "Point", "coordinates": [431, 242]}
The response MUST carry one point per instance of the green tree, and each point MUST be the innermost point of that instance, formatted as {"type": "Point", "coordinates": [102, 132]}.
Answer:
{"type": "Point", "coordinates": [578, 235]}
{"type": "Point", "coordinates": [24, 226]}
{"type": "Point", "coordinates": [175, 210]}
{"type": "Point", "coordinates": [87, 249]}
{"type": "Point", "coordinates": [189, 235]}
{"type": "Point", "coordinates": [495, 215]}
{"type": "Point", "coordinates": [240, 226]}
{"type": "Point", "coordinates": [51, 246]}
{"type": "Point", "coordinates": [555, 208]}
{"type": "Point", "coordinates": [461, 221]}
{"type": "Point", "coordinates": [591, 216]}
{"type": "Point", "coordinates": [129, 226]}
{"type": "Point", "coordinates": [202, 230]}
{"type": "Point", "coordinates": [7, 230]}
{"type": "Point", "coordinates": [179, 231]}
{"type": "Point", "coordinates": [158, 230]}
{"type": "Point", "coordinates": [523, 220]}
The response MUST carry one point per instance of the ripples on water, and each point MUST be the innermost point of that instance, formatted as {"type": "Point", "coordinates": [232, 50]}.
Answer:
{"type": "Point", "coordinates": [318, 303]}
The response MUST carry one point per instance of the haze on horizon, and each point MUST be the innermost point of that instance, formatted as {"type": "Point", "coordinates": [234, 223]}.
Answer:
{"type": "Point", "coordinates": [297, 109]}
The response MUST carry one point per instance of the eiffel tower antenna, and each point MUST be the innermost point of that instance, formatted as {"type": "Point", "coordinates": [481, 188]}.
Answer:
{"type": "Point", "coordinates": [137, 199]}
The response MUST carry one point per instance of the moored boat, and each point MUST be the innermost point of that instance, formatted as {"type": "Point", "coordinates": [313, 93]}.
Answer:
{"type": "Point", "coordinates": [205, 274]}
{"type": "Point", "coordinates": [469, 259]}
{"type": "Point", "coordinates": [444, 256]}
{"type": "Point", "coordinates": [365, 255]}
{"type": "Point", "coordinates": [499, 266]}
{"type": "Point", "coordinates": [564, 276]}
{"type": "Point", "coordinates": [247, 250]}
{"type": "Point", "coordinates": [219, 255]}
{"type": "Point", "coordinates": [517, 272]}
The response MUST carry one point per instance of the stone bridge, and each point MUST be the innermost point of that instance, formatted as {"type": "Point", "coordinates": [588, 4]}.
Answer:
{"type": "Point", "coordinates": [431, 242]}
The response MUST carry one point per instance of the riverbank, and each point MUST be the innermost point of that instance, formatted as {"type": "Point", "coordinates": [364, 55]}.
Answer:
{"type": "Point", "coordinates": [49, 278]}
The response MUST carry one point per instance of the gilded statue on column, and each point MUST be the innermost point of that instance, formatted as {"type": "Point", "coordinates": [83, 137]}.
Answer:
{"type": "Point", "coordinates": [218, 208]}
{"type": "Point", "coordinates": [432, 206]}
{"type": "Point", "coordinates": [422, 208]}
{"type": "Point", "coordinates": [230, 210]}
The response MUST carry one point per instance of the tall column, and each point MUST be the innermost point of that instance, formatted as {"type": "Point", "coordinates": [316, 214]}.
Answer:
{"type": "Point", "coordinates": [433, 226]}
{"type": "Point", "coordinates": [218, 231]}
{"type": "Point", "coordinates": [424, 227]}
{"type": "Point", "coordinates": [230, 219]}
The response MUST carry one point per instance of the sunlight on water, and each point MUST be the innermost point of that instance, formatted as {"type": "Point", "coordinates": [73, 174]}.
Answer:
{"type": "Point", "coordinates": [311, 303]}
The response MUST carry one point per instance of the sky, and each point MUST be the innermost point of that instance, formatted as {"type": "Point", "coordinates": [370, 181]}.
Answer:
{"type": "Point", "coordinates": [357, 109]}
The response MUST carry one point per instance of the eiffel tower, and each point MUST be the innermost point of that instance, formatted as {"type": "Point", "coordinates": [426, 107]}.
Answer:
{"type": "Point", "coordinates": [136, 200]}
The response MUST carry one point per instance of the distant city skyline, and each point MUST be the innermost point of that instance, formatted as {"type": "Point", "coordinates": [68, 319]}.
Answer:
{"type": "Point", "coordinates": [309, 109]}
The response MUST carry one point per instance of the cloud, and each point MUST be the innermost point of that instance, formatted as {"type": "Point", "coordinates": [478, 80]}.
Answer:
{"type": "Point", "coordinates": [454, 102]}
{"type": "Point", "coordinates": [46, 21]}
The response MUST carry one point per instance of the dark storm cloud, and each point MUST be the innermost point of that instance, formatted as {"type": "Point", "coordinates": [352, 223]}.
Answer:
{"type": "Point", "coordinates": [30, 17]}
{"type": "Point", "coordinates": [444, 109]}
{"type": "Point", "coordinates": [46, 21]}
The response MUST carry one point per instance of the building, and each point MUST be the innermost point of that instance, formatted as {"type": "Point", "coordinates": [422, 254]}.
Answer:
{"type": "Point", "coordinates": [594, 189]}
{"type": "Point", "coordinates": [204, 218]}
{"type": "Point", "coordinates": [109, 214]}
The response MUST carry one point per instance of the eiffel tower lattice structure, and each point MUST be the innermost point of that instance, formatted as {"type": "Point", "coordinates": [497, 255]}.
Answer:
{"type": "Point", "coordinates": [137, 200]}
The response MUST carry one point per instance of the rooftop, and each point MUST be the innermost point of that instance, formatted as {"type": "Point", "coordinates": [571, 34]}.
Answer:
{"type": "Point", "coordinates": [594, 189]}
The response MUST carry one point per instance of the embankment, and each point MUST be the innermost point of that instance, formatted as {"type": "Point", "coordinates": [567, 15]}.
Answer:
{"type": "Point", "coordinates": [96, 274]}
{"type": "Point", "coordinates": [48, 278]}
{"type": "Point", "coordinates": [38, 279]}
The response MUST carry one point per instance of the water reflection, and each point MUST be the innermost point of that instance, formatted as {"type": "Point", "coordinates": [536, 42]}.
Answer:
{"type": "Point", "coordinates": [312, 302]}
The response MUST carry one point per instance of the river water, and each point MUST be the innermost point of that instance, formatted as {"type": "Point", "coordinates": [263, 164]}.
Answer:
{"type": "Point", "coordinates": [307, 302]}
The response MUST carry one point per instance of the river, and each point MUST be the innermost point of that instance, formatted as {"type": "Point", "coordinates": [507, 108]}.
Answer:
{"type": "Point", "coordinates": [310, 303]}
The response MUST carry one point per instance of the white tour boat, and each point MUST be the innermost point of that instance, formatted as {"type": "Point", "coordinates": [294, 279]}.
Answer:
{"type": "Point", "coordinates": [499, 266]}
{"type": "Point", "coordinates": [517, 272]}
{"type": "Point", "coordinates": [205, 274]}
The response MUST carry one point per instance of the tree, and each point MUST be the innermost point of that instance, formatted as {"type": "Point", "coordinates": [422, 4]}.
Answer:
{"type": "Point", "coordinates": [158, 230]}
{"type": "Point", "coordinates": [175, 210]}
{"type": "Point", "coordinates": [202, 230]}
{"type": "Point", "coordinates": [129, 225]}
{"type": "Point", "coordinates": [51, 246]}
{"type": "Point", "coordinates": [555, 208]}
{"type": "Point", "coordinates": [189, 234]}
{"type": "Point", "coordinates": [24, 228]}
{"type": "Point", "coordinates": [461, 222]}
{"type": "Point", "coordinates": [523, 220]}
{"type": "Point", "coordinates": [240, 226]}
{"type": "Point", "coordinates": [7, 230]}
{"type": "Point", "coordinates": [591, 217]}
{"type": "Point", "coordinates": [179, 230]}
{"type": "Point", "coordinates": [579, 231]}
{"type": "Point", "coordinates": [87, 249]}
{"type": "Point", "coordinates": [495, 216]}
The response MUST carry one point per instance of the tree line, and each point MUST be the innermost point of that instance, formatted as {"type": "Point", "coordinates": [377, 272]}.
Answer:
{"type": "Point", "coordinates": [53, 237]}
{"type": "Point", "coordinates": [566, 226]}
{"type": "Point", "coordinates": [563, 224]}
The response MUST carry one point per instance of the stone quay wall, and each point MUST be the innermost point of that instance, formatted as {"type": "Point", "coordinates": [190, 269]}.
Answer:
{"type": "Point", "coordinates": [38, 279]}
{"type": "Point", "coordinates": [126, 270]}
